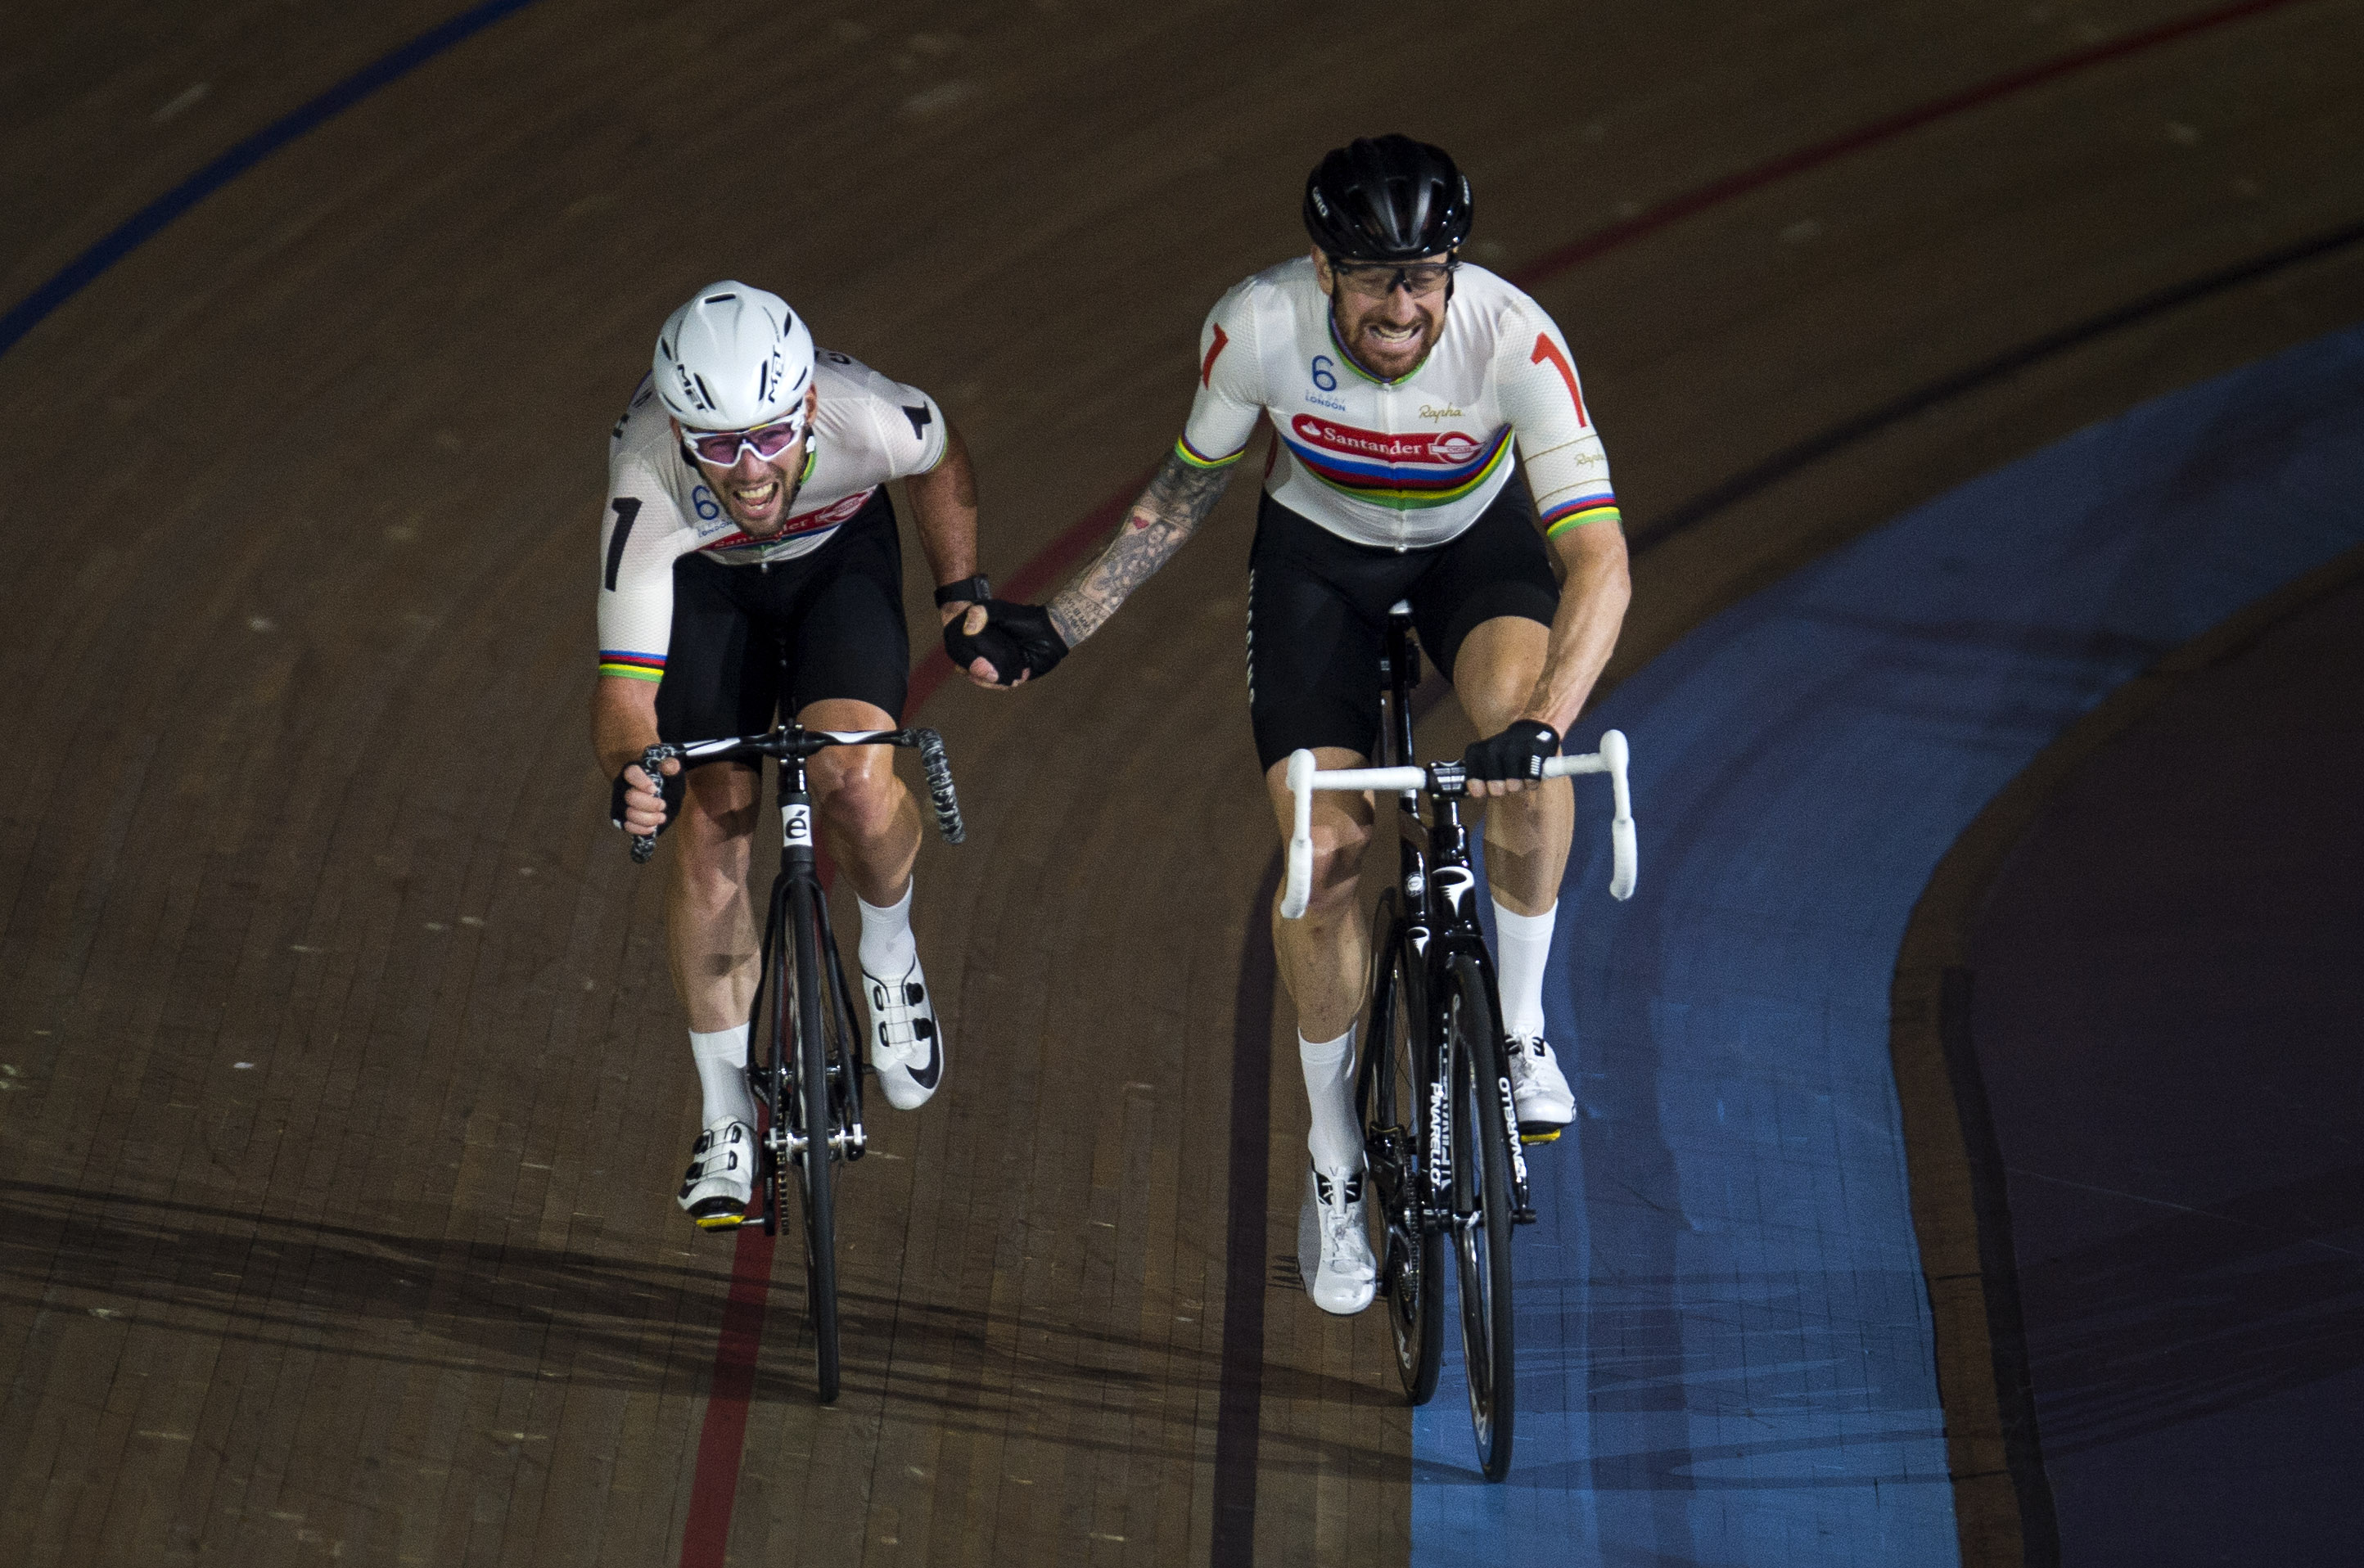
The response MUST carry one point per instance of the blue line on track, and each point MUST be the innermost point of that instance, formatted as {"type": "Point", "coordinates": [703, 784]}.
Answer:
{"type": "Point", "coordinates": [143, 225]}
{"type": "Point", "coordinates": [1725, 1350]}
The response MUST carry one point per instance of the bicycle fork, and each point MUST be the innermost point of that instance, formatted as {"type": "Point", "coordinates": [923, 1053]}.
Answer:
{"type": "Point", "coordinates": [1454, 883]}
{"type": "Point", "coordinates": [799, 865]}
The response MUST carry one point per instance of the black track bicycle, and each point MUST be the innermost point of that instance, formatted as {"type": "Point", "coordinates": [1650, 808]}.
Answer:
{"type": "Point", "coordinates": [808, 1083]}
{"type": "Point", "coordinates": [1432, 1089]}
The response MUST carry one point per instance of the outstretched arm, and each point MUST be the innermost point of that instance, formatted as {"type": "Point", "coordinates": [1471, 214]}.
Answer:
{"type": "Point", "coordinates": [1168, 512]}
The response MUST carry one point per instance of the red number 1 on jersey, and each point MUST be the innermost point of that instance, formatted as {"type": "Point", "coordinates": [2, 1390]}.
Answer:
{"type": "Point", "coordinates": [1547, 350]}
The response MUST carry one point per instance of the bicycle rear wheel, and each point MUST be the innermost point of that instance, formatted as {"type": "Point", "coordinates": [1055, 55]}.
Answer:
{"type": "Point", "coordinates": [816, 1161]}
{"type": "Point", "coordinates": [1390, 1092]}
{"type": "Point", "coordinates": [1481, 1194]}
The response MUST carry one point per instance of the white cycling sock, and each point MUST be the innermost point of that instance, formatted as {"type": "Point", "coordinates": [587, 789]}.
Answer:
{"type": "Point", "coordinates": [1335, 1142]}
{"type": "Point", "coordinates": [1521, 947]}
{"type": "Point", "coordinates": [887, 950]}
{"type": "Point", "coordinates": [722, 1058]}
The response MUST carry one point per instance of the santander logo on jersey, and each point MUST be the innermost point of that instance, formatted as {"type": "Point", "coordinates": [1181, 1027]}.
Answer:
{"type": "Point", "coordinates": [1445, 448]}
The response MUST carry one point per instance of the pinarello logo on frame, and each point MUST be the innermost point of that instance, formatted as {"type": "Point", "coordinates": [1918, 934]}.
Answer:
{"type": "Point", "coordinates": [1444, 448]}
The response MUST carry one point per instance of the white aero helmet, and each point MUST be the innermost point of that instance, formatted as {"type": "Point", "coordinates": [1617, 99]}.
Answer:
{"type": "Point", "coordinates": [733, 357]}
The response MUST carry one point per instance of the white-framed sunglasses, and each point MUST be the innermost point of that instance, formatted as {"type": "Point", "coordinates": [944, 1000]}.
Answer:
{"type": "Point", "coordinates": [721, 448]}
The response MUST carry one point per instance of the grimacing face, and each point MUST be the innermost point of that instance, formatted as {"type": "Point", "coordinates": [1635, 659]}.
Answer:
{"type": "Point", "coordinates": [756, 492]}
{"type": "Point", "coordinates": [1389, 335]}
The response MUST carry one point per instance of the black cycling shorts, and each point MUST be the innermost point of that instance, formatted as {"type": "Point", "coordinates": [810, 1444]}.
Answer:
{"type": "Point", "coordinates": [1317, 614]}
{"type": "Point", "coordinates": [751, 642]}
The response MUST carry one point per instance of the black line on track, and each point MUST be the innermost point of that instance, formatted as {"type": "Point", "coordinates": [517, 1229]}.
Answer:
{"type": "Point", "coordinates": [1791, 460]}
{"type": "Point", "coordinates": [2023, 1447]}
{"type": "Point", "coordinates": [1240, 1404]}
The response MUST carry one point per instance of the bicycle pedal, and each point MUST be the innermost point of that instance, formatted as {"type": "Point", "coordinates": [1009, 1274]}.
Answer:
{"type": "Point", "coordinates": [722, 1221]}
{"type": "Point", "coordinates": [1549, 1136]}
{"type": "Point", "coordinates": [1525, 1216]}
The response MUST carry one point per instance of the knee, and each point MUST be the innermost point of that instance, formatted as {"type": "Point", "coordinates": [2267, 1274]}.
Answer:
{"type": "Point", "coordinates": [1337, 868]}
{"type": "Point", "coordinates": [855, 790]}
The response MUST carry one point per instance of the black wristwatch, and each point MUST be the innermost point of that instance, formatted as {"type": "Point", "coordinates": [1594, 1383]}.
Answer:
{"type": "Point", "coordinates": [975, 590]}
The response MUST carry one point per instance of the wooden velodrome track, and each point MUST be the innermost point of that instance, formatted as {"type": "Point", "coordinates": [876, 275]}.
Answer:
{"type": "Point", "coordinates": [345, 1091]}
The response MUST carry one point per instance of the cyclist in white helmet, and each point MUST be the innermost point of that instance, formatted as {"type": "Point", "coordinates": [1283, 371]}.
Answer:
{"type": "Point", "coordinates": [1398, 379]}
{"type": "Point", "coordinates": [749, 563]}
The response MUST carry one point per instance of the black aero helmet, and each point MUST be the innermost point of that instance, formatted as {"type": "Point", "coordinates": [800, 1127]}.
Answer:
{"type": "Point", "coordinates": [1386, 198]}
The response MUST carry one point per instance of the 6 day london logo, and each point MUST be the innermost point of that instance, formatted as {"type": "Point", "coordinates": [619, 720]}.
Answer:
{"type": "Point", "coordinates": [1447, 449]}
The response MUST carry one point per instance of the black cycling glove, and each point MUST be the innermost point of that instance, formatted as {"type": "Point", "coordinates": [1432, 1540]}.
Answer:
{"type": "Point", "coordinates": [1016, 639]}
{"type": "Point", "coordinates": [1519, 752]}
{"type": "Point", "coordinates": [673, 786]}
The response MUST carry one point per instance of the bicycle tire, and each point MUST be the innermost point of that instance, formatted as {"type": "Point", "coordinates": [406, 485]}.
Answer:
{"type": "Point", "coordinates": [1390, 1095]}
{"type": "Point", "coordinates": [1481, 1231]}
{"type": "Point", "coordinates": [814, 1164]}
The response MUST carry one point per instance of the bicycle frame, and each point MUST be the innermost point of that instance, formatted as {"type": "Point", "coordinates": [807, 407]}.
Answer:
{"type": "Point", "coordinates": [812, 1079]}
{"type": "Point", "coordinates": [1451, 1163]}
{"type": "Point", "coordinates": [796, 892]}
{"type": "Point", "coordinates": [1439, 921]}
{"type": "Point", "coordinates": [799, 905]}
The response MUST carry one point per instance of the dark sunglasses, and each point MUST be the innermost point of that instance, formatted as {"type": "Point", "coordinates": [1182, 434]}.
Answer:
{"type": "Point", "coordinates": [1376, 279]}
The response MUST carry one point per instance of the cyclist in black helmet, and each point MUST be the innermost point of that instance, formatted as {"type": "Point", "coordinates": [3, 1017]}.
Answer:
{"type": "Point", "coordinates": [1398, 379]}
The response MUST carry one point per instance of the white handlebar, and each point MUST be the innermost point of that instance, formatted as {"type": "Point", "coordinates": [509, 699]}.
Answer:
{"type": "Point", "coordinates": [1613, 759]}
{"type": "Point", "coordinates": [1300, 836]}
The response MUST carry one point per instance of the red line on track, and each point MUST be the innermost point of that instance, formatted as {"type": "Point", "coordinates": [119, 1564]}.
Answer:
{"type": "Point", "coordinates": [715, 1482]}
{"type": "Point", "coordinates": [1553, 262]}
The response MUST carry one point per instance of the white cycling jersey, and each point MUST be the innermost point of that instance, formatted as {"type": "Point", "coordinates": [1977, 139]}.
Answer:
{"type": "Point", "coordinates": [1406, 463]}
{"type": "Point", "coordinates": [866, 430]}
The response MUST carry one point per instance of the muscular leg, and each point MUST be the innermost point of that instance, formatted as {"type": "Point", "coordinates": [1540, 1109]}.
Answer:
{"type": "Point", "coordinates": [1324, 958]}
{"type": "Point", "coordinates": [872, 826]}
{"type": "Point", "coordinates": [709, 934]}
{"type": "Point", "coordinates": [1527, 834]}
{"type": "Point", "coordinates": [1325, 962]}
{"type": "Point", "coordinates": [868, 819]}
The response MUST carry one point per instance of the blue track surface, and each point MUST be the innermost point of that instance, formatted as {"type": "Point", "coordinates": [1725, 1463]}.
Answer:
{"type": "Point", "coordinates": [1726, 1350]}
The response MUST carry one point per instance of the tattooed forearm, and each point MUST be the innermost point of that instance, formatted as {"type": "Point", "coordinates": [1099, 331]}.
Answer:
{"type": "Point", "coordinates": [1168, 512]}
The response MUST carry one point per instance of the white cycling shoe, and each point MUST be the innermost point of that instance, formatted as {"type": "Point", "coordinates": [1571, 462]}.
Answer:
{"type": "Point", "coordinates": [1334, 1244]}
{"type": "Point", "coordinates": [1539, 1090]}
{"type": "Point", "coordinates": [721, 1175]}
{"type": "Point", "coordinates": [907, 1049]}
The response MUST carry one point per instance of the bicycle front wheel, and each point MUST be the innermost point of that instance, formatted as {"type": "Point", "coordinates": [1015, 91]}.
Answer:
{"type": "Point", "coordinates": [815, 1162]}
{"type": "Point", "coordinates": [1392, 1094]}
{"type": "Point", "coordinates": [1481, 1218]}
{"type": "Point", "coordinates": [771, 1078]}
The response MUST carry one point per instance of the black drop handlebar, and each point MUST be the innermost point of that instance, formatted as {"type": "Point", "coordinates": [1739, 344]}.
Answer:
{"type": "Point", "coordinates": [794, 741]}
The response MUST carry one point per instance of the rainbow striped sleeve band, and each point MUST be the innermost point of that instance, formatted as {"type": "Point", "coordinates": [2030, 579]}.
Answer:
{"type": "Point", "coordinates": [1183, 449]}
{"type": "Point", "coordinates": [631, 666]}
{"type": "Point", "coordinates": [1576, 514]}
